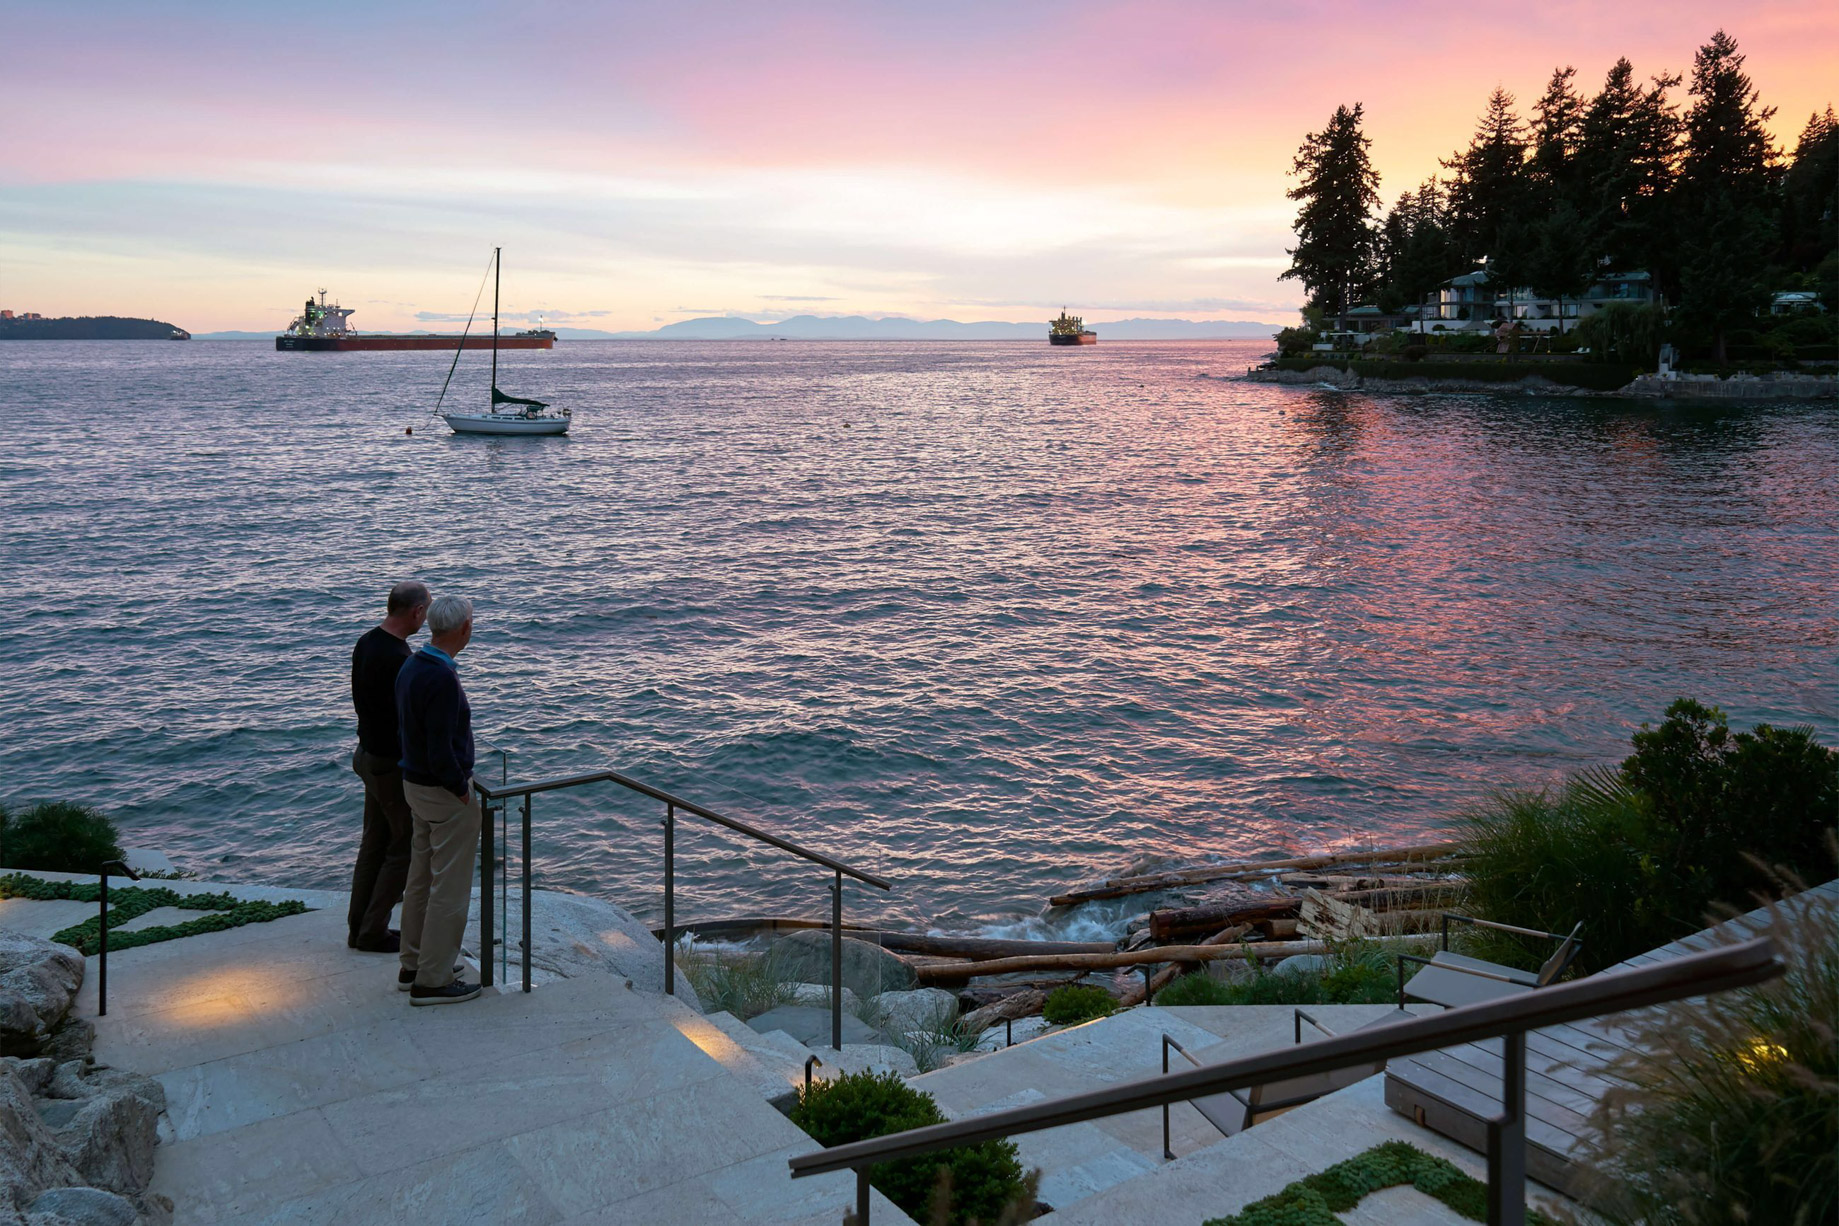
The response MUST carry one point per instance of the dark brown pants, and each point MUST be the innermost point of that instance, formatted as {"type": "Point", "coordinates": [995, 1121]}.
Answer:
{"type": "Point", "coordinates": [383, 854]}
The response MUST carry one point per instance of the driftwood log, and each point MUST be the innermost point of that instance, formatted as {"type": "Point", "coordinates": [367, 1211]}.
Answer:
{"type": "Point", "coordinates": [1016, 1005]}
{"type": "Point", "coordinates": [1177, 922]}
{"type": "Point", "coordinates": [1120, 887]}
{"type": "Point", "coordinates": [935, 974]}
{"type": "Point", "coordinates": [895, 942]}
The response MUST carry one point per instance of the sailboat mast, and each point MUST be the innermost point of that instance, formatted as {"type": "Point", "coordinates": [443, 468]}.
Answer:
{"type": "Point", "coordinates": [497, 258]}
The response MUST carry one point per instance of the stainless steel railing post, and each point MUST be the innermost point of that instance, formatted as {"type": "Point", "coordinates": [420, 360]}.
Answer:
{"type": "Point", "coordinates": [670, 900]}
{"type": "Point", "coordinates": [836, 969]}
{"type": "Point", "coordinates": [1507, 1139]}
{"type": "Point", "coordinates": [526, 866]}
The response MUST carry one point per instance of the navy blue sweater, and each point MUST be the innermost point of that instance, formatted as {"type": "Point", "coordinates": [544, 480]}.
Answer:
{"type": "Point", "coordinates": [436, 724]}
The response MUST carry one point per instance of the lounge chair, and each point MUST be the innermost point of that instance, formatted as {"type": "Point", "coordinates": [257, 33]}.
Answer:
{"type": "Point", "coordinates": [1451, 980]}
{"type": "Point", "coordinates": [1233, 1111]}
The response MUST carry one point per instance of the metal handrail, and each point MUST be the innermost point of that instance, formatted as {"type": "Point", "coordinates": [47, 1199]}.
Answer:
{"type": "Point", "coordinates": [739, 827]}
{"type": "Point", "coordinates": [504, 792]}
{"type": "Point", "coordinates": [1700, 974]}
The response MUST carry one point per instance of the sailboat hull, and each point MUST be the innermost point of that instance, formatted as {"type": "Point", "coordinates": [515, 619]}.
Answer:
{"type": "Point", "coordinates": [504, 423]}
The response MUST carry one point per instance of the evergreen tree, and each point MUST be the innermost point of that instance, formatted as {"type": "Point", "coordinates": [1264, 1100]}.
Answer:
{"type": "Point", "coordinates": [1810, 197]}
{"type": "Point", "coordinates": [1336, 244]}
{"type": "Point", "coordinates": [1727, 176]}
{"type": "Point", "coordinates": [1728, 151]}
{"type": "Point", "coordinates": [1721, 283]}
{"type": "Point", "coordinates": [1627, 152]}
{"type": "Point", "coordinates": [1562, 264]}
{"type": "Point", "coordinates": [1489, 189]}
{"type": "Point", "coordinates": [1557, 128]}
{"type": "Point", "coordinates": [1419, 254]}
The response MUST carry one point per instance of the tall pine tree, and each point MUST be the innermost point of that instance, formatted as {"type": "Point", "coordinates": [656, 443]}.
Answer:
{"type": "Point", "coordinates": [1627, 151]}
{"type": "Point", "coordinates": [1336, 243]}
{"type": "Point", "coordinates": [1488, 192]}
{"type": "Point", "coordinates": [1727, 177]}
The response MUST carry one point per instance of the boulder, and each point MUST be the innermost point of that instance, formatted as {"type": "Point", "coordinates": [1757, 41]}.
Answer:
{"type": "Point", "coordinates": [82, 1207]}
{"type": "Point", "coordinates": [817, 996]}
{"type": "Point", "coordinates": [110, 1141]}
{"type": "Point", "coordinates": [38, 983]}
{"type": "Point", "coordinates": [922, 1009]}
{"type": "Point", "coordinates": [30, 1158]}
{"type": "Point", "coordinates": [868, 970]}
{"type": "Point", "coordinates": [572, 933]}
{"type": "Point", "coordinates": [1304, 964]}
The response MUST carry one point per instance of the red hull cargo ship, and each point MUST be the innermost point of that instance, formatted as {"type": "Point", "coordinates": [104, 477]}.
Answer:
{"type": "Point", "coordinates": [321, 327]}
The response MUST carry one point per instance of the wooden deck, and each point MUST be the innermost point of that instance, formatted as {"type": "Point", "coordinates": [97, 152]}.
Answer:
{"type": "Point", "coordinates": [1457, 1090]}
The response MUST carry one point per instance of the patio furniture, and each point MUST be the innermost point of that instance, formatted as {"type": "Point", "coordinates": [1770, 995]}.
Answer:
{"type": "Point", "coordinates": [1233, 1111]}
{"type": "Point", "coordinates": [1451, 980]}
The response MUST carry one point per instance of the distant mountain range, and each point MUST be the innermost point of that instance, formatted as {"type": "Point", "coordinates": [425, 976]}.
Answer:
{"type": "Point", "coordinates": [860, 327]}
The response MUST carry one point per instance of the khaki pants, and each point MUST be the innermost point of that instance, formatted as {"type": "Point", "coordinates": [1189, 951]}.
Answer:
{"type": "Point", "coordinates": [434, 904]}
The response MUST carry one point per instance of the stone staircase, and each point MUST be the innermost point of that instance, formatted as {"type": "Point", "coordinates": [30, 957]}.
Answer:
{"type": "Point", "coordinates": [301, 1088]}
{"type": "Point", "coordinates": [1104, 1172]}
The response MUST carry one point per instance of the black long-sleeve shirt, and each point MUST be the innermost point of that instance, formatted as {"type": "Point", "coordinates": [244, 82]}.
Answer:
{"type": "Point", "coordinates": [436, 723]}
{"type": "Point", "coordinates": [375, 661]}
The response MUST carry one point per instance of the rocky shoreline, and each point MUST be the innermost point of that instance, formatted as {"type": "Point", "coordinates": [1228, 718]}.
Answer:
{"type": "Point", "coordinates": [1775, 386]}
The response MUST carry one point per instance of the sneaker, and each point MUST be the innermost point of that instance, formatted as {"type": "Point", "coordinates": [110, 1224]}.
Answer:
{"type": "Point", "coordinates": [390, 944]}
{"type": "Point", "coordinates": [455, 992]}
{"type": "Point", "coordinates": [406, 979]}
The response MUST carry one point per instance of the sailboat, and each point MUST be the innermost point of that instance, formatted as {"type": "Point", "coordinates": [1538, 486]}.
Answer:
{"type": "Point", "coordinates": [506, 414]}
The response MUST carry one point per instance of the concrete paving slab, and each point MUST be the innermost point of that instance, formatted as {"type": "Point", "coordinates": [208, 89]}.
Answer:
{"type": "Point", "coordinates": [271, 1162]}
{"type": "Point", "coordinates": [461, 1106]}
{"type": "Point", "coordinates": [41, 919]}
{"type": "Point", "coordinates": [483, 1185]}
{"type": "Point", "coordinates": [638, 1144]}
{"type": "Point", "coordinates": [274, 1081]}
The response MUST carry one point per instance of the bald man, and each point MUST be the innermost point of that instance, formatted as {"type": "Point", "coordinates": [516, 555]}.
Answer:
{"type": "Point", "coordinates": [383, 853]}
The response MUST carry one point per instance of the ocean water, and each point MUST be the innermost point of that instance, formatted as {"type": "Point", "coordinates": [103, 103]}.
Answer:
{"type": "Point", "coordinates": [988, 619]}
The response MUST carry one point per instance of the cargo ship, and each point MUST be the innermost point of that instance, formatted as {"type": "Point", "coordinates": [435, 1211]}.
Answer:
{"type": "Point", "coordinates": [323, 326]}
{"type": "Point", "coordinates": [1069, 330]}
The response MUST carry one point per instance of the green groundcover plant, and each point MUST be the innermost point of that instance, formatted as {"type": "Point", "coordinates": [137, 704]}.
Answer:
{"type": "Point", "coordinates": [130, 902]}
{"type": "Point", "coordinates": [1693, 820]}
{"type": "Point", "coordinates": [1315, 1200]}
{"type": "Point", "coordinates": [1356, 974]}
{"type": "Point", "coordinates": [982, 1182]}
{"type": "Point", "coordinates": [1075, 1003]}
{"type": "Point", "coordinates": [57, 837]}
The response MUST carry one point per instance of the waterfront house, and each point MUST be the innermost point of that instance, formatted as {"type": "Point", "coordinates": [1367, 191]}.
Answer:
{"type": "Point", "coordinates": [1474, 302]}
{"type": "Point", "coordinates": [1796, 302]}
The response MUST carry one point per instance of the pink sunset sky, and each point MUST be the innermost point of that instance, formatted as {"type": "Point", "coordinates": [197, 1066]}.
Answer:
{"type": "Point", "coordinates": [209, 164]}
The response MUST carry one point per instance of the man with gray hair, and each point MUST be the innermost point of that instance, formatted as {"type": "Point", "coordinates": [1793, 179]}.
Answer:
{"type": "Point", "coordinates": [383, 851]}
{"type": "Point", "coordinates": [437, 768]}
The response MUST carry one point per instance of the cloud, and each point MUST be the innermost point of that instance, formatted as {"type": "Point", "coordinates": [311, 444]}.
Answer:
{"type": "Point", "coordinates": [799, 298]}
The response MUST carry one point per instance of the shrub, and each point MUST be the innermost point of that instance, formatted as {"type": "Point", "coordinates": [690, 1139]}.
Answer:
{"type": "Point", "coordinates": [1729, 1116]}
{"type": "Point", "coordinates": [1623, 332]}
{"type": "Point", "coordinates": [1076, 1003]}
{"type": "Point", "coordinates": [1356, 975]}
{"type": "Point", "coordinates": [1296, 340]}
{"type": "Point", "coordinates": [1644, 852]}
{"type": "Point", "coordinates": [985, 1179]}
{"type": "Point", "coordinates": [1717, 796]}
{"type": "Point", "coordinates": [57, 837]}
